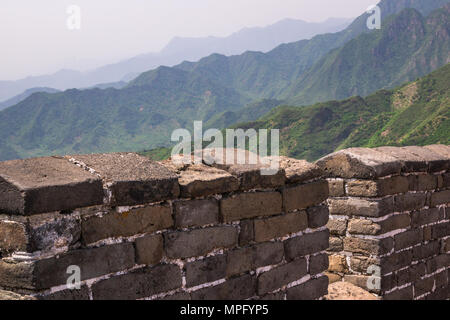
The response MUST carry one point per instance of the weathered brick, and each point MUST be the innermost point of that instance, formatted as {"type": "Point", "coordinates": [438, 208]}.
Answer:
{"type": "Point", "coordinates": [305, 195]}
{"type": "Point", "coordinates": [361, 264]}
{"type": "Point", "coordinates": [441, 197]}
{"type": "Point", "coordinates": [410, 201]}
{"type": "Point", "coordinates": [138, 284]}
{"type": "Point", "coordinates": [360, 281]}
{"type": "Point", "coordinates": [278, 277]}
{"type": "Point", "coordinates": [149, 249]}
{"type": "Point", "coordinates": [337, 226]}
{"type": "Point", "coordinates": [435, 159]}
{"type": "Point", "coordinates": [438, 262]}
{"type": "Point", "coordinates": [423, 286]}
{"type": "Point", "coordinates": [240, 288]}
{"type": "Point", "coordinates": [201, 180]}
{"type": "Point", "coordinates": [132, 179]}
{"type": "Point", "coordinates": [40, 185]}
{"type": "Point", "coordinates": [446, 245]}
{"type": "Point", "coordinates": [306, 244]}
{"type": "Point", "coordinates": [377, 188]}
{"type": "Point", "coordinates": [311, 290]}
{"type": "Point", "coordinates": [396, 261]}
{"type": "Point", "coordinates": [251, 258]}
{"type": "Point", "coordinates": [422, 182]}
{"type": "Point", "coordinates": [336, 244]}
{"type": "Point", "coordinates": [196, 213]}
{"type": "Point", "coordinates": [275, 227]}
{"type": "Point", "coordinates": [207, 270]}
{"type": "Point", "coordinates": [363, 226]}
{"type": "Point", "coordinates": [426, 250]}
{"type": "Point", "coordinates": [400, 294]}
{"type": "Point", "coordinates": [46, 273]}
{"type": "Point", "coordinates": [368, 246]}
{"type": "Point", "coordinates": [251, 177]}
{"type": "Point", "coordinates": [425, 216]}
{"type": "Point", "coordinates": [408, 239]}
{"type": "Point", "coordinates": [360, 163]}
{"type": "Point", "coordinates": [332, 278]}
{"type": "Point", "coordinates": [250, 205]}
{"type": "Point", "coordinates": [337, 263]}
{"type": "Point", "coordinates": [395, 222]}
{"type": "Point", "coordinates": [411, 162]}
{"type": "Point", "coordinates": [317, 216]}
{"type": "Point", "coordinates": [67, 294]}
{"type": "Point", "coordinates": [441, 279]}
{"type": "Point", "coordinates": [318, 263]}
{"type": "Point", "coordinates": [186, 244]}
{"type": "Point", "coordinates": [247, 232]}
{"type": "Point", "coordinates": [440, 230]}
{"type": "Point", "coordinates": [445, 181]}
{"type": "Point", "coordinates": [410, 274]}
{"type": "Point", "coordinates": [180, 296]}
{"type": "Point", "coordinates": [336, 187]}
{"type": "Point", "coordinates": [13, 237]}
{"type": "Point", "coordinates": [126, 224]}
{"type": "Point", "coordinates": [299, 170]}
{"type": "Point", "coordinates": [361, 207]}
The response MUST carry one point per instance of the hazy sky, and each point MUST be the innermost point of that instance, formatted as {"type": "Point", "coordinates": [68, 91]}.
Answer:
{"type": "Point", "coordinates": [35, 39]}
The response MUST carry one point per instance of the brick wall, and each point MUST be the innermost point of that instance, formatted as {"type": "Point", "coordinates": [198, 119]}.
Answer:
{"type": "Point", "coordinates": [138, 229]}
{"type": "Point", "coordinates": [390, 214]}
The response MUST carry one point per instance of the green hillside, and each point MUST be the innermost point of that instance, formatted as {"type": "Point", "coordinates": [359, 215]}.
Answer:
{"type": "Point", "coordinates": [417, 113]}
{"type": "Point", "coordinates": [220, 90]}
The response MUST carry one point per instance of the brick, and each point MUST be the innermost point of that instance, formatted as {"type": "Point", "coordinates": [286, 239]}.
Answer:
{"type": "Point", "coordinates": [363, 226]}
{"type": "Point", "coordinates": [337, 227]}
{"type": "Point", "coordinates": [359, 163]}
{"type": "Point", "coordinates": [410, 201]}
{"type": "Point", "coordinates": [41, 185]}
{"type": "Point", "coordinates": [395, 222]}
{"type": "Point", "coordinates": [132, 179]}
{"type": "Point", "coordinates": [251, 177]}
{"type": "Point", "coordinates": [361, 281]}
{"type": "Point", "coordinates": [318, 263]}
{"type": "Point", "coordinates": [440, 230]}
{"type": "Point", "coordinates": [311, 290]}
{"type": "Point", "coordinates": [435, 160]}
{"type": "Point", "coordinates": [388, 282]}
{"type": "Point", "coordinates": [305, 195]}
{"type": "Point", "coordinates": [361, 264]}
{"type": "Point", "coordinates": [332, 278]}
{"type": "Point", "coordinates": [149, 249]}
{"type": "Point", "coordinates": [400, 294]}
{"type": "Point", "coordinates": [180, 296]}
{"type": "Point", "coordinates": [361, 207]}
{"type": "Point", "coordinates": [336, 244]}
{"type": "Point", "coordinates": [126, 224]}
{"type": "Point", "coordinates": [439, 294]}
{"type": "Point", "coordinates": [425, 216]}
{"type": "Point", "coordinates": [280, 276]}
{"type": "Point", "coordinates": [423, 286]}
{"type": "Point", "coordinates": [67, 295]}
{"type": "Point", "coordinates": [275, 227]}
{"type": "Point", "coordinates": [441, 279]}
{"type": "Point", "coordinates": [378, 188]}
{"type": "Point", "coordinates": [317, 216]}
{"type": "Point", "coordinates": [50, 272]}
{"type": "Point", "coordinates": [368, 246]}
{"type": "Point", "coordinates": [336, 187]}
{"type": "Point", "coordinates": [427, 233]}
{"type": "Point", "coordinates": [138, 284]}
{"type": "Point", "coordinates": [408, 239]}
{"type": "Point", "coordinates": [422, 182]}
{"type": "Point", "coordinates": [251, 258]}
{"type": "Point", "coordinates": [306, 244]}
{"type": "Point", "coordinates": [247, 232]}
{"type": "Point", "coordinates": [196, 213]}
{"type": "Point", "coordinates": [426, 250]}
{"type": "Point", "coordinates": [411, 162]}
{"type": "Point", "coordinates": [199, 242]}
{"type": "Point", "coordinates": [240, 288]}
{"type": "Point", "coordinates": [438, 262]}
{"type": "Point", "coordinates": [250, 205]}
{"type": "Point", "coordinates": [299, 170]}
{"type": "Point", "coordinates": [273, 296]}
{"type": "Point", "coordinates": [441, 197]}
{"type": "Point", "coordinates": [445, 181]}
{"type": "Point", "coordinates": [446, 245]}
{"type": "Point", "coordinates": [337, 263]}
{"type": "Point", "coordinates": [207, 270]}
{"type": "Point", "coordinates": [13, 237]}
{"type": "Point", "coordinates": [396, 261]}
{"type": "Point", "coordinates": [410, 274]}
{"type": "Point", "coordinates": [200, 180]}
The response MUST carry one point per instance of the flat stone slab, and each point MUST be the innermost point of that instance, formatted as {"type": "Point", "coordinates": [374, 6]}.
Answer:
{"type": "Point", "coordinates": [359, 163]}
{"type": "Point", "coordinates": [131, 178]}
{"type": "Point", "coordinates": [347, 291]}
{"type": "Point", "coordinates": [201, 180]}
{"type": "Point", "coordinates": [47, 184]}
{"type": "Point", "coordinates": [299, 170]}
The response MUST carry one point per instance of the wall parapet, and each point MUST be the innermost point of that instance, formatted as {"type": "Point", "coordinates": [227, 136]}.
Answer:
{"type": "Point", "coordinates": [139, 229]}
{"type": "Point", "coordinates": [390, 214]}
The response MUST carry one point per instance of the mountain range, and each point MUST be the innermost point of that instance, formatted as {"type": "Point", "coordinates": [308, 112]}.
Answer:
{"type": "Point", "coordinates": [178, 50]}
{"type": "Point", "coordinates": [413, 41]}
